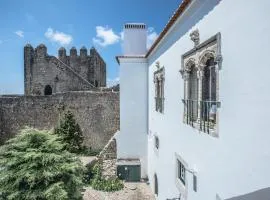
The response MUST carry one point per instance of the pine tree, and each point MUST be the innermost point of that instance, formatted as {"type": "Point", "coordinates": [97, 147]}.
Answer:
{"type": "Point", "coordinates": [70, 132]}
{"type": "Point", "coordinates": [33, 166]}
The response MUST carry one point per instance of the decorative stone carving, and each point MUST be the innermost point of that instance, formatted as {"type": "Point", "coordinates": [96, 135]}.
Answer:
{"type": "Point", "coordinates": [186, 75]}
{"type": "Point", "coordinates": [205, 56]}
{"type": "Point", "coordinates": [195, 37]}
{"type": "Point", "coordinates": [189, 64]}
{"type": "Point", "coordinates": [159, 74]}
{"type": "Point", "coordinates": [218, 60]}
{"type": "Point", "coordinates": [182, 72]}
{"type": "Point", "coordinates": [158, 65]}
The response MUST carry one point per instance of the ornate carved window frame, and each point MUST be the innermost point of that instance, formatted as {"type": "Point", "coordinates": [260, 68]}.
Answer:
{"type": "Point", "coordinates": [198, 56]}
{"type": "Point", "coordinates": [159, 81]}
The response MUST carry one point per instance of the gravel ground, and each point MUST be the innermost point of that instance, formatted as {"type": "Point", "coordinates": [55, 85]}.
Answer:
{"type": "Point", "coordinates": [131, 191]}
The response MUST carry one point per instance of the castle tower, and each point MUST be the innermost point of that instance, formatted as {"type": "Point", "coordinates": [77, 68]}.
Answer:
{"type": "Point", "coordinates": [132, 139]}
{"type": "Point", "coordinates": [28, 68]}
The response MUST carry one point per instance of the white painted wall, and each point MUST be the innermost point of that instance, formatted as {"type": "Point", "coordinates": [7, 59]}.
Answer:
{"type": "Point", "coordinates": [132, 139]}
{"type": "Point", "coordinates": [237, 162]}
{"type": "Point", "coordinates": [134, 40]}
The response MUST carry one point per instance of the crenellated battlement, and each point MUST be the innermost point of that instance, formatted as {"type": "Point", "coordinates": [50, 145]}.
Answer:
{"type": "Point", "coordinates": [41, 51]}
{"type": "Point", "coordinates": [83, 52]}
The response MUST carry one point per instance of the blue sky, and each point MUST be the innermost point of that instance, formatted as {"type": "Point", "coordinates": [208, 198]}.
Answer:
{"type": "Point", "coordinates": [72, 23]}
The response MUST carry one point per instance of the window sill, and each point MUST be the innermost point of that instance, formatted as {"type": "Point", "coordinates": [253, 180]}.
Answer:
{"type": "Point", "coordinates": [209, 128]}
{"type": "Point", "coordinates": [181, 188]}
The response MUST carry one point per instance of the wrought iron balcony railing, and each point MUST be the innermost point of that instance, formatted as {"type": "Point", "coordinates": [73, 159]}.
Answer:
{"type": "Point", "coordinates": [201, 114]}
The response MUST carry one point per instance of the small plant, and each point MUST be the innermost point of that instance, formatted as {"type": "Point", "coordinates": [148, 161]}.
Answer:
{"type": "Point", "coordinates": [99, 183]}
{"type": "Point", "coordinates": [70, 133]}
{"type": "Point", "coordinates": [34, 166]}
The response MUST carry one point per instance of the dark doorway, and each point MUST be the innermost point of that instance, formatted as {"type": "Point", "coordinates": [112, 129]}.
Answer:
{"type": "Point", "coordinates": [48, 90]}
{"type": "Point", "coordinates": [96, 83]}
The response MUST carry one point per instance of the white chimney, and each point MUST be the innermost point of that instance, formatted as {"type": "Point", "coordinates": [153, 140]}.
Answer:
{"type": "Point", "coordinates": [134, 39]}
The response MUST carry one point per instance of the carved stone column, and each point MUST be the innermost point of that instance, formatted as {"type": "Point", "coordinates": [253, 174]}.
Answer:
{"type": "Point", "coordinates": [200, 74]}
{"type": "Point", "coordinates": [186, 76]}
{"type": "Point", "coordinates": [156, 93]}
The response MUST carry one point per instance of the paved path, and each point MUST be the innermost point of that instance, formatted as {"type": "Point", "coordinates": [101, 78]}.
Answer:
{"type": "Point", "coordinates": [131, 191]}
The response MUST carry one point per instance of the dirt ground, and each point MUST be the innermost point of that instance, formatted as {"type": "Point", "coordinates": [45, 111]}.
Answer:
{"type": "Point", "coordinates": [131, 191]}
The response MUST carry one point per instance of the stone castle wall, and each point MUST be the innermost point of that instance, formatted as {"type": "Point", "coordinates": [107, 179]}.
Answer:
{"type": "Point", "coordinates": [96, 112]}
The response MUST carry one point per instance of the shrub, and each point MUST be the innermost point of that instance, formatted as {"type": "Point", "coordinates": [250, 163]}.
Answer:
{"type": "Point", "coordinates": [70, 132]}
{"type": "Point", "coordinates": [88, 174]}
{"type": "Point", "coordinates": [34, 166]}
{"type": "Point", "coordinates": [99, 183]}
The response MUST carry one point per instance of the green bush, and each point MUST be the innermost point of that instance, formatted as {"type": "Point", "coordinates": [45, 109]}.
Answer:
{"type": "Point", "coordinates": [88, 174]}
{"type": "Point", "coordinates": [99, 183]}
{"type": "Point", "coordinates": [70, 132]}
{"type": "Point", "coordinates": [34, 166]}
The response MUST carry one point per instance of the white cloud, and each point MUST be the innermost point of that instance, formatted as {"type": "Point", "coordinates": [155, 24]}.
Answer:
{"type": "Point", "coordinates": [58, 37]}
{"type": "Point", "coordinates": [151, 37]}
{"type": "Point", "coordinates": [19, 33]}
{"type": "Point", "coordinates": [112, 82]}
{"type": "Point", "coordinates": [105, 36]}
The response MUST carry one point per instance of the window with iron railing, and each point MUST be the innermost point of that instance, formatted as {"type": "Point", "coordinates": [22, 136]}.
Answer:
{"type": "Point", "coordinates": [159, 89]}
{"type": "Point", "coordinates": [200, 68]}
{"type": "Point", "coordinates": [206, 119]}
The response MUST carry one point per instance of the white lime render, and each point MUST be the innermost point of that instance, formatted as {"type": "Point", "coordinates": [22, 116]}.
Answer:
{"type": "Point", "coordinates": [228, 156]}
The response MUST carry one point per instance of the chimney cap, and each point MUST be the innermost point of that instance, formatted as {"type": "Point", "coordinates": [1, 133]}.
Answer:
{"type": "Point", "coordinates": [135, 26]}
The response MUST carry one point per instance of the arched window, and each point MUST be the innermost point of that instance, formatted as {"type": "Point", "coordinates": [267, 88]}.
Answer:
{"type": "Point", "coordinates": [209, 96]}
{"type": "Point", "coordinates": [200, 71]}
{"type": "Point", "coordinates": [193, 93]}
{"type": "Point", "coordinates": [209, 81]}
{"type": "Point", "coordinates": [156, 184]}
{"type": "Point", "coordinates": [48, 90]}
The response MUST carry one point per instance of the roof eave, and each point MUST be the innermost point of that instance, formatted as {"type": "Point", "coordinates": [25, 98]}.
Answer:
{"type": "Point", "coordinates": [182, 7]}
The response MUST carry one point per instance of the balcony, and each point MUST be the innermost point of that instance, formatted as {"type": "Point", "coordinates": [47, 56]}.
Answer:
{"type": "Point", "coordinates": [201, 114]}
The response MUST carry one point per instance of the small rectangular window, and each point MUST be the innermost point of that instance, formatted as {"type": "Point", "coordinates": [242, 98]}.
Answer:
{"type": "Point", "coordinates": [181, 172]}
{"type": "Point", "coordinates": [156, 142]}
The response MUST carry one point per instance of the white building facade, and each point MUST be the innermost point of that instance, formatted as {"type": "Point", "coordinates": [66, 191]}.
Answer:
{"type": "Point", "coordinates": [194, 108]}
